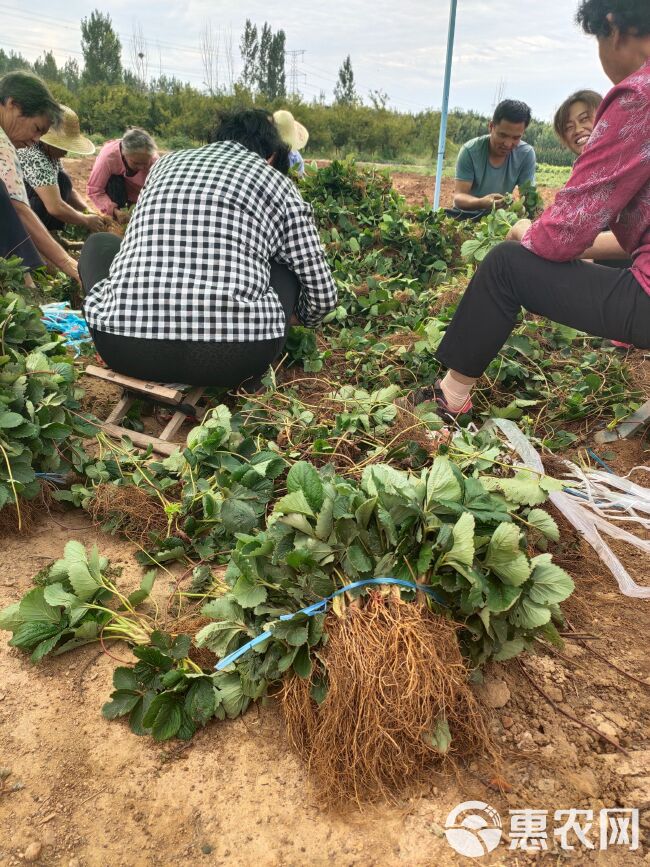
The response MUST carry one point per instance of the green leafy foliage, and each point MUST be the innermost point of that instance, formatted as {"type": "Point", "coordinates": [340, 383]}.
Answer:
{"type": "Point", "coordinates": [67, 609]}
{"type": "Point", "coordinates": [39, 401]}
{"type": "Point", "coordinates": [442, 526]}
{"type": "Point", "coordinates": [300, 492]}
{"type": "Point", "coordinates": [218, 486]}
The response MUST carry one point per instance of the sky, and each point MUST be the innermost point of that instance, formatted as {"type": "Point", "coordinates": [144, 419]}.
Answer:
{"type": "Point", "coordinates": [522, 49]}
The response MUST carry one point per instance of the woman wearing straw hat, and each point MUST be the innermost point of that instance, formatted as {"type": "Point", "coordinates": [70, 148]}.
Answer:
{"type": "Point", "coordinates": [295, 135]}
{"type": "Point", "coordinates": [49, 188]}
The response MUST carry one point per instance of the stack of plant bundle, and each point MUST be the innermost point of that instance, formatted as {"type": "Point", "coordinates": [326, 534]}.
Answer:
{"type": "Point", "coordinates": [376, 688]}
{"type": "Point", "coordinates": [39, 404]}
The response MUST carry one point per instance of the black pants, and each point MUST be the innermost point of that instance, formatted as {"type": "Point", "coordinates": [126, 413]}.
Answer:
{"type": "Point", "coordinates": [14, 239]}
{"type": "Point", "coordinates": [606, 302]}
{"type": "Point", "coordinates": [50, 222]}
{"type": "Point", "coordinates": [194, 362]}
{"type": "Point", "coordinates": [116, 191]}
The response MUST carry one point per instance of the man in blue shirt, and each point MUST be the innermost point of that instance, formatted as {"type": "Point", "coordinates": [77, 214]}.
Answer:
{"type": "Point", "coordinates": [492, 165]}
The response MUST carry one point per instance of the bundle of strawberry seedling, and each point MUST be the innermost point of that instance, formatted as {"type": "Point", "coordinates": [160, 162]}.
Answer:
{"type": "Point", "coordinates": [39, 403]}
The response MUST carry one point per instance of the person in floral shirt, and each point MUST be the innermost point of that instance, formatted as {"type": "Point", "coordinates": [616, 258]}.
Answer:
{"type": "Point", "coordinates": [540, 267]}
{"type": "Point", "coordinates": [27, 110]}
{"type": "Point", "coordinates": [51, 193]}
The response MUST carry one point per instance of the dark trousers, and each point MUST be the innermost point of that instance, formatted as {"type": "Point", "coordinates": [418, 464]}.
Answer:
{"type": "Point", "coordinates": [606, 302]}
{"type": "Point", "coordinates": [194, 362]}
{"type": "Point", "coordinates": [116, 191]}
{"type": "Point", "coordinates": [50, 222]}
{"type": "Point", "coordinates": [14, 240]}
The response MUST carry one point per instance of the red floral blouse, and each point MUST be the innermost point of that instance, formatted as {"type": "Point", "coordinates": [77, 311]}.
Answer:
{"type": "Point", "coordinates": [609, 184]}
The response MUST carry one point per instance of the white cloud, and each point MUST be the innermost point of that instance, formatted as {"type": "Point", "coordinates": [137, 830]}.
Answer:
{"type": "Point", "coordinates": [399, 48]}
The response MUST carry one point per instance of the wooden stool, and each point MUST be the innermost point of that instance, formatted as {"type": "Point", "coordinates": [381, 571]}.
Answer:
{"type": "Point", "coordinates": [184, 398]}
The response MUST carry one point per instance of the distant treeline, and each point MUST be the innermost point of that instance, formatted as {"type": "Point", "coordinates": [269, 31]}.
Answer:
{"type": "Point", "coordinates": [109, 98]}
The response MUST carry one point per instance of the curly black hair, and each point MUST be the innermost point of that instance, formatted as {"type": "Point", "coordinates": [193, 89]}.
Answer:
{"type": "Point", "coordinates": [255, 129]}
{"type": "Point", "coordinates": [628, 16]}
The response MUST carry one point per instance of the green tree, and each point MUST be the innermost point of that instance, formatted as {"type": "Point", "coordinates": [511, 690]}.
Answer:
{"type": "Point", "coordinates": [266, 40]}
{"type": "Point", "coordinates": [102, 50]}
{"type": "Point", "coordinates": [379, 99]}
{"type": "Point", "coordinates": [12, 61]}
{"type": "Point", "coordinates": [275, 77]}
{"type": "Point", "coordinates": [248, 48]}
{"type": "Point", "coordinates": [46, 67]}
{"type": "Point", "coordinates": [109, 110]}
{"type": "Point", "coordinates": [344, 92]}
{"type": "Point", "coordinates": [70, 75]}
{"type": "Point", "coordinates": [342, 125]}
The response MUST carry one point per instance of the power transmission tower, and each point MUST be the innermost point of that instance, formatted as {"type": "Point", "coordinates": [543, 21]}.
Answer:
{"type": "Point", "coordinates": [294, 74]}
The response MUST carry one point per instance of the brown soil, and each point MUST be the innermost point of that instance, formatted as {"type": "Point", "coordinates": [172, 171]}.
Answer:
{"type": "Point", "coordinates": [89, 790]}
{"type": "Point", "coordinates": [93, 794]}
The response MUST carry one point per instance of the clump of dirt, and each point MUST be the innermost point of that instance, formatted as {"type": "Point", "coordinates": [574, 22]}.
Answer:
{"type": "Point", "coordinates": [394, 675]}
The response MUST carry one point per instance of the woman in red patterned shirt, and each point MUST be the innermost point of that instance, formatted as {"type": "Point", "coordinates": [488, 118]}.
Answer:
{"type": "Point", "coordinates": [541, 267]}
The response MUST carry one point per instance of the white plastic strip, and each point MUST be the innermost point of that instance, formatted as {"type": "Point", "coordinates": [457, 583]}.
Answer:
{"type": "Point", "coordinates": [585, 522]}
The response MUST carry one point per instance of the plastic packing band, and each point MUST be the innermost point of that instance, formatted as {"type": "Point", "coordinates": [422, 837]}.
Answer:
{"type": "Point", "coordinates": [587, 523]}
{"type": "Point", "coordinates": [56, 478]}
{"type": "Point", "coordinates": [320, 607]}
{"type": "Point", "coordinates": [592, 454]}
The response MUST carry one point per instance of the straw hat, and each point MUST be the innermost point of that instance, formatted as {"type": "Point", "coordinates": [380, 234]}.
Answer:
{"type": "Point", "coordinates": [67, 135]}
{"type": "Point", "coordinates": [291, 132]}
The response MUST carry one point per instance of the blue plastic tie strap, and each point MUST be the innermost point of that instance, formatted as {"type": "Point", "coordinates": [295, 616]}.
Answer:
{"type": "Point", "coordinates": [592, 454]}
{"type": "Point", "coordinates": [320, 607]}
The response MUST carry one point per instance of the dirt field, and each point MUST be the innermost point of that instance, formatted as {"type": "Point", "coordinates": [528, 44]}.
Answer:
{"type": "Point", "coordinates": [414, 187]}
{"type": "Point", "coordinates": [94, 794]}
{"type": "Point", "coordinates": [91, 794]}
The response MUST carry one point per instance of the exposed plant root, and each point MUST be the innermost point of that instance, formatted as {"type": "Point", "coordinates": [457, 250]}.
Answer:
{"type": "Point", "coordinates": [29, 511]}
{"type": "Point", "coordinates": [409, 427]}
{"type": "Point", "coordinates": [137, 513]}
{"type": "Point", "coordinates": [190, 625]}
{"type": "Point", "coordinates": [394, 670]}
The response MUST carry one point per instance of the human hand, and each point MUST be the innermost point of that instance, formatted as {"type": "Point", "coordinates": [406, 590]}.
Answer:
{"type": "Point", "coordinates": [519, 230]}
{"type": "Point", "coordinates": [70, 268]}
{"type": "Point", "coordinates": [492, 199]}
{"type": "Point", "coordinates": [95, 223]}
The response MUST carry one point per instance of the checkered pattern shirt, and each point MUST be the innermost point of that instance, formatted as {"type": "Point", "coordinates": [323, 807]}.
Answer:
{"type": "Point", "coordinates": [195, 261]}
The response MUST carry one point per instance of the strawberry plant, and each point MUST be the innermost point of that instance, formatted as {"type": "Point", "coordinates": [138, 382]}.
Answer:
{"type": "Point", "coordinates": [39, 402]}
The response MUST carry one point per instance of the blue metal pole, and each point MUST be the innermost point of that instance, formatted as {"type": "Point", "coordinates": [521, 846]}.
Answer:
{"type": "Point", "coordinates": [445, 103]}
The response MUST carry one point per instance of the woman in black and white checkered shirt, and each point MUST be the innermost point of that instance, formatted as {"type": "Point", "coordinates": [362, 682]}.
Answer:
{"type": "Point", "coordinates": [220, 257]}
